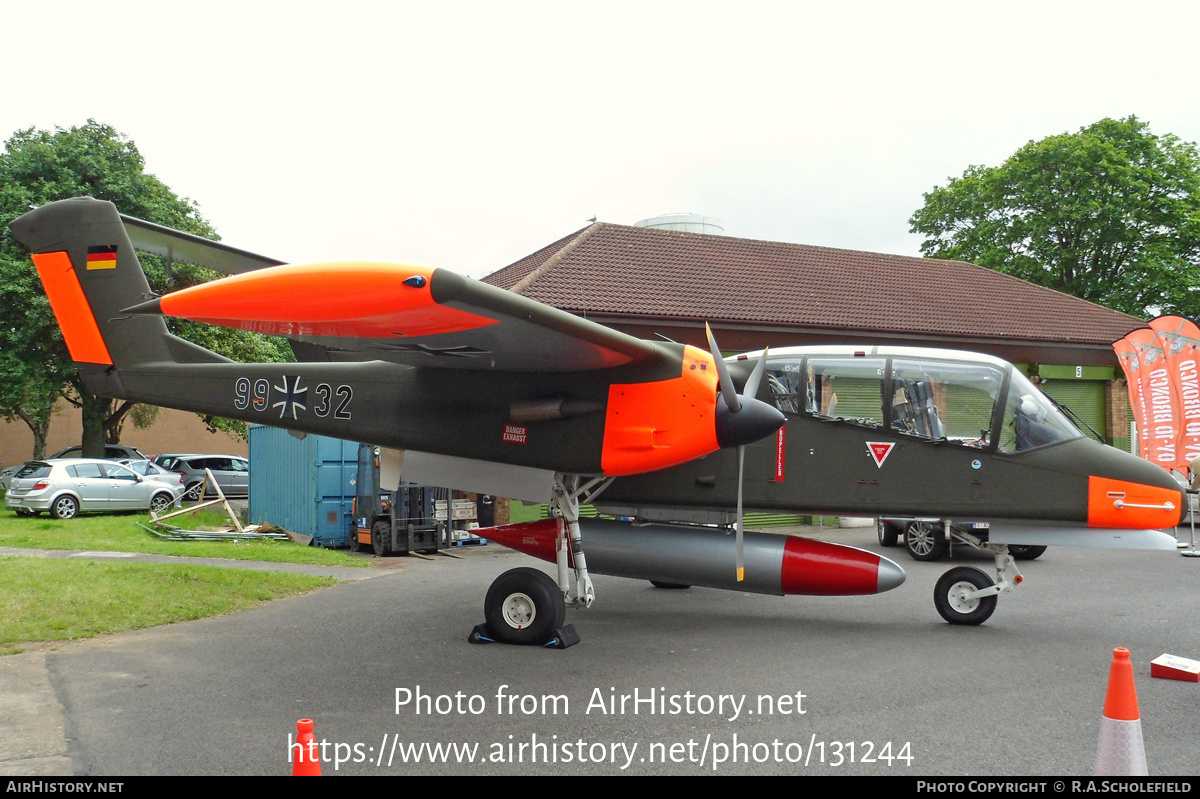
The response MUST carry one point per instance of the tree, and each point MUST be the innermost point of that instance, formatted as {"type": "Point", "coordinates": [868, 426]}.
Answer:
{"type": "Point", "coordinates": [1110, 214]}
{"type": "Point", "coordinates": [38, 167]}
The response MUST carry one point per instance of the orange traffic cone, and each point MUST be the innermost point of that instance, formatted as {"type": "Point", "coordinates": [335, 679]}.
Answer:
{"type": "Point", "coordinates": [305, 760]}
{"type": "Point", "coordinates": [1121, 751]}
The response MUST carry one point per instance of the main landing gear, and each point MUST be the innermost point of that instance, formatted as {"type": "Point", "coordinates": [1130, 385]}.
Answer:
{"type": "Point", "coordinates": [967, 595]}
{"type": "Point", "coordinates": [527, 606]}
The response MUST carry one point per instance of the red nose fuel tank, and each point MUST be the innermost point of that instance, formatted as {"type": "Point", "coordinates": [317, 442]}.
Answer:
{"type": "Point", "coordinates": [775, 564]}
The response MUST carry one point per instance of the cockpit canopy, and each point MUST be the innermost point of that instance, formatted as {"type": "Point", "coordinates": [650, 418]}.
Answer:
{"type": "Point", "coordinates": [964, 398]}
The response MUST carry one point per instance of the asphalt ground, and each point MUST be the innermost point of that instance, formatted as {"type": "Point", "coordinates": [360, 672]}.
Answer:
{"type": "Point", "coordinates": [875, 685]}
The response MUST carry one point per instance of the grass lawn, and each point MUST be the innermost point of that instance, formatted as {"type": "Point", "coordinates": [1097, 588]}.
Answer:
{"type": "Point", "coordinates": [120, 533]}
{"type": "Point", "coordinates": [58, 600]}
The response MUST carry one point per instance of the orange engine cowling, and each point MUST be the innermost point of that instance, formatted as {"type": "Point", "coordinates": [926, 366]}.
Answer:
{"type": "Point", "coordinates": [664, 423]}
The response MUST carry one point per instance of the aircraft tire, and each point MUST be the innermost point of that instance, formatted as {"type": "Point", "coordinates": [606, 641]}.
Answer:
{"type": "Point", "coordinates": [661, 584]}
{"type": "Point", "coordinates": [1025, 552]}
{"type": "Point", "coordinates": [381, 538]}
{"type": "Point", "coordinates": [926, 541]}
{"type": "Point", "coordinates": [947, 596]}
{"type": "Point", "coordinates": [888, 533]}
{"type": "Point", "coordinates": [524, 606]}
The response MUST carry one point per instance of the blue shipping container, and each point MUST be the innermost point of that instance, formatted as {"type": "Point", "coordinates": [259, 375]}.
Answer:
{"type": "Point", "coordinates": [303, 485]}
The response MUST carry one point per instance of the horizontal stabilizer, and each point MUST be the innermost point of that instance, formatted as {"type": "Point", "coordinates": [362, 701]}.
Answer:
{"type": "Point", "coordinates": [191, 249]}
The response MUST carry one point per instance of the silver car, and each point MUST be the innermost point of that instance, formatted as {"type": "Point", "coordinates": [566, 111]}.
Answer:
{"type": "Point", "coordinates": [72, 486]}
{"type": "Point", "coordinates": [232, 473]}
{"type": "Point", "coordinates": [151, 471]}
{"type": "Point", "coordinates": [7, 475]}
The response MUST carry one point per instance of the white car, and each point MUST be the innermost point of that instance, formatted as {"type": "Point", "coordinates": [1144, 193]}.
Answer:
{"type": "Point", "coordinates": [65, 488]}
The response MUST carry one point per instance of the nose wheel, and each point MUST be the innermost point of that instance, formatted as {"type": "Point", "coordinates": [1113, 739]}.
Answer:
{"type": "Point", "coordinates": [966, 595]}
{"type": "Point", "coordinates": [961, 596]}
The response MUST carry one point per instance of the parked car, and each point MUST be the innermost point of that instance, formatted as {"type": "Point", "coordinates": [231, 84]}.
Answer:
{"type": "Point", "coordinates": [168, 459]}
{"type": "Point", "coordinates": [7, 475]}
{"type": "Point", "coordinates": [112, 452]}
{"type": "Point", "coordinates": [72, 486]}
{"type": "Point", "coordinates": [926, 539]}
{"type": "Point", "coordinates": [151, 471]}
{"type": "Point", "coordinates": [232, 473]}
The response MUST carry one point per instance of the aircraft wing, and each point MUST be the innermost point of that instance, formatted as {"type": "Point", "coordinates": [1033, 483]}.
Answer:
{"type": "Point", "coordinates": [527, 384]}
{"type": "Point", "coordinates": [362, 311]}
{"type": "Point", "coordinates": [410, 315]}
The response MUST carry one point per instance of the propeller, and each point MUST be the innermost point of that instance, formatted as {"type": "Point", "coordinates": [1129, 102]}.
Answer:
{"type": "Point", "coordinates": [741, 420]}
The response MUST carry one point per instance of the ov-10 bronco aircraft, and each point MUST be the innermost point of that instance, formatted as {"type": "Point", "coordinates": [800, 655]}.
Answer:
{"type": "Point", "coordinates": [486, 390]}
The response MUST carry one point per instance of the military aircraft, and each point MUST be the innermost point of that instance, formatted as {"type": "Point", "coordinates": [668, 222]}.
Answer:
{"type": "Point", "coordinates": [486, 390]}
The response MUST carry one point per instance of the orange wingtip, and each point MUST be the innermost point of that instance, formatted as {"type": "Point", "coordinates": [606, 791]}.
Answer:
{"type": "Point", "coordinates": [354, 299]}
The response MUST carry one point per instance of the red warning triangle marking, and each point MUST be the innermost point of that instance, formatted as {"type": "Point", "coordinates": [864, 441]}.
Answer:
{"type": "Point", "coordinates": [880, 450]}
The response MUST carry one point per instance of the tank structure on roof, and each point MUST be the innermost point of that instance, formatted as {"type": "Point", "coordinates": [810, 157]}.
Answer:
{"type": "Point", "coordinates": [687, 223]}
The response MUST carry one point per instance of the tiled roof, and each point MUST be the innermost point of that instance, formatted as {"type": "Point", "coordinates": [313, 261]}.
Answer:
{"type": "Point", "coordinates": [617, 270]}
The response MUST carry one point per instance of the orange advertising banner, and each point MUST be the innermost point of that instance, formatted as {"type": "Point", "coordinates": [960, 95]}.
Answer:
{"type": "Point", "coordinates": [1180, 341]}
{"type": "Point", "coordinates": [1159, 399]}
{"type": "Point", "coordinates": [1131, 363]}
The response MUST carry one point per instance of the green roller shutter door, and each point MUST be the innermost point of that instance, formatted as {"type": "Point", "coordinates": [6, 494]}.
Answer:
{"type": "Point", "coordinates": [1084, 397]}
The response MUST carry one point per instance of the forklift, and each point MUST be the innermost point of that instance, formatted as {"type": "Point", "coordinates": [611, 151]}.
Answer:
{"type": "Point", "coordinates": [393, 522]}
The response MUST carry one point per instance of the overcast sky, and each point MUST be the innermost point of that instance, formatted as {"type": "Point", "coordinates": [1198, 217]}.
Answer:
{"type": "Point", "coordinates": [467, 135]}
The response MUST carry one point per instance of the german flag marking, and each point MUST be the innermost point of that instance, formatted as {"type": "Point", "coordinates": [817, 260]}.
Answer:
{"type": "Point", "coordinates": [102, 257]}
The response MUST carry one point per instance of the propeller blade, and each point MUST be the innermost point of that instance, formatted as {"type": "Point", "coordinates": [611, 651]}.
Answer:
{"type": "Point", "coordinates": [751, 389]}
{"type": "Point", "coordinates": [741, 563]}
{"type": "Point", "coordinates": [758, 420]}
{"type": "Point", "coordinates": [727, 389]}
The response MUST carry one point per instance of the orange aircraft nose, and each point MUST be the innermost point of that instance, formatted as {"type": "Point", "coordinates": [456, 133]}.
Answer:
{"type": "Point", "coordinates": [1127, 505]}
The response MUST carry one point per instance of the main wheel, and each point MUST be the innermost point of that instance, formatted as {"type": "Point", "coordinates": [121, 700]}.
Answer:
{"type": "Point", "coordinates": [160, 502]}
{"type": "Point", "coordinates": [887, 533]}
{"type": "Point", "coordinates": [950, 596]}
{"type": "Point", "coordinates": [194, 492]}
{"type": "Point", "coordinates": [925, 541]}
{"type": "Point", "coordinates": [65, 507]}
{"type": "Point", "coordinates": [381, 538]}
{"type": "Point", "coordinates": [524, 606]}
{"type": "Point", "coordinates": [1025, 551]}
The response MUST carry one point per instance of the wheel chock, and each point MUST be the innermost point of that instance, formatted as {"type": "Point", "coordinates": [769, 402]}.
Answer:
{"type": "Point", "coordinates": [563, 637]}
{"type": "Point", "coordinates": [481, 634]}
